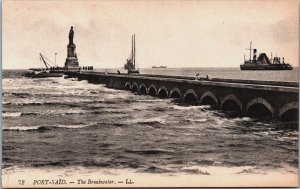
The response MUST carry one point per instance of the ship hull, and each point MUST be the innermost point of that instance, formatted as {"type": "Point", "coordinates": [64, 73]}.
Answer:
{"type": "Point", "coordinates": [159, 66]}
{"type": "Point", "coordinates": [265, 67]}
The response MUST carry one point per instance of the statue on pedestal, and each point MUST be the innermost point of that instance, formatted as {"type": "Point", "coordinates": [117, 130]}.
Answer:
{"type": "Point", "coordinates": [72, 60]}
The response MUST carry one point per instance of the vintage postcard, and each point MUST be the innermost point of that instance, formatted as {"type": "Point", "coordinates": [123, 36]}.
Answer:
{"type": "Point", "coordinates": [150, 93]}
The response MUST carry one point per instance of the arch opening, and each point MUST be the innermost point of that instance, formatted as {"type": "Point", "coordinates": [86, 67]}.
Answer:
{"type": "Point", "coordinates": [259, 110]}
{"type": "Point", "coordinates": [207, 100]}
{"type": "Point", "coordinates": [152, 91]}
{"type": "Point", "coordinates": [190, 98]}
{"type": "Point", "coordinates": [143, 90]}
{"type": "Point", "coordinates": [231, 105]}
{"type": "Point", "coordinates": [134, 88]}
{"type": "Point", "coordinates": [290, 115]}
{"type": "Point", "coordinates": [231, 108]}
{"type": "Point", "coordinates": [127, 86]}
{"type": "Point", "coordinates": [175, 94]}
{"type": "Point", "coordinates": [162, 93]}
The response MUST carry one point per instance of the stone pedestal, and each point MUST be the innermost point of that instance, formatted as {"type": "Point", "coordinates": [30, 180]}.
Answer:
{"type": "Point", "coordinates": [72, 60]}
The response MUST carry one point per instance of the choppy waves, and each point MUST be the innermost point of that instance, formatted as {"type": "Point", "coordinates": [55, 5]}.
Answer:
{"type": "Point", "coordinates": [43, 128]}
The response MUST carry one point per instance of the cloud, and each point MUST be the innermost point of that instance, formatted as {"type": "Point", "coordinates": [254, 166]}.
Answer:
{"type": "Point", "coordinates": [285, 30]}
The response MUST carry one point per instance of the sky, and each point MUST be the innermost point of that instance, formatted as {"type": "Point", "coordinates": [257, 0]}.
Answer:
{"type": "Point", "coordinates": [202, 33]}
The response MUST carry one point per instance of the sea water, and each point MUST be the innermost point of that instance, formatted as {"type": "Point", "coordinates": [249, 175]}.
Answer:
{"type": "Point", "coordinates": [65, 124]}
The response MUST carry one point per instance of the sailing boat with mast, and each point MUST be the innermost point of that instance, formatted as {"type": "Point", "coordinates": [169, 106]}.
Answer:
{"type": "Point", "coordinates": [131, 61]}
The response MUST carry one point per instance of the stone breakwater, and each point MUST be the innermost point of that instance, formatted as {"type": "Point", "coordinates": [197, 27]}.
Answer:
{"type": "Point", "coordinates": [269, 99]}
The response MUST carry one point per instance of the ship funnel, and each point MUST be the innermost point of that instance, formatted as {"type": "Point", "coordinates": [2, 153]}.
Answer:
{"type": "Point", "coordinates": [254, 54]}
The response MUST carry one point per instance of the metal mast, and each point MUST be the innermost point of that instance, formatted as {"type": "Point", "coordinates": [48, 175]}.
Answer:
{"type": "Point", "coordinates": [55, 59]}
{"type": "Point", "coordinates": [44, 61]}
{"type": "Point", "coordinates": [132, 53]}
{"type": "Point", "coordinates": [134, 50]}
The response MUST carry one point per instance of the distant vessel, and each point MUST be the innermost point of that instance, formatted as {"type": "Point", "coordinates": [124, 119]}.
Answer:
{"type": "Point", "coordinates": [159, 66]}
{"type": "Point", "coordinates": [130, 63]}
{"type": "Point", "coordinates": [50, 71]}
{"type": "Point", "coordinates": [262, 62]}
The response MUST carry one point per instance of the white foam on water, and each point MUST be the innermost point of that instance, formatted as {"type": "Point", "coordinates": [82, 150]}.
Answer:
{"type": "Point", "coordinates": [105, 89]}
{"type": "Point", "coordinates": [219, 121]}
{"type": "Point", "coordinates": [205, 106]}
{"type": "Point", "coordinates": [63, 111]}
{"type": "Point", "coordinates": [246, 118]}
{"type": "Point", "coordinates": [176, 107]}
{"type": "Point", "coordinates": [217, 170]}
{"type": "Point", "coordinates": [161, 120]}
{"type": "Point", "coordinates": [24, 102]}
{"type": "Point", "coordinates": [21, 128]}
{"type": "Point", "coordinates": [29, 128]}
{"type": "Point", "coordinates": [240, 119]}
{"type": "Point", "coordinates": [198, 120]}
{"type": "Point", "coordinates": [265, 124]}
{"type": "Point", "coordinates": [73, 126]}
{"type": "Point", "coordinates": [56, 112]}
{"type": "Point", "coordinates": [150, 100]}
{"type": "Point", "coordinates": [11, 114]}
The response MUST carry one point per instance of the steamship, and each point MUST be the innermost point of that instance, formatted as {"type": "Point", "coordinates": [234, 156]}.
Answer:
{"type": "Point", "coordinates": [262, 62]}
{"type": "Point", "coordinates": [159, 66]}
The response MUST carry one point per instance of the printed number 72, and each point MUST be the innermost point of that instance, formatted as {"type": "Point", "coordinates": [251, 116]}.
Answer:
{"type": "Point", "coordinates": [21, 182]}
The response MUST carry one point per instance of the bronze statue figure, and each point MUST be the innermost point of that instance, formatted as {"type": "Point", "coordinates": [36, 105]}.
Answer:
{"type": "Point", "coordinates": [71, 35]}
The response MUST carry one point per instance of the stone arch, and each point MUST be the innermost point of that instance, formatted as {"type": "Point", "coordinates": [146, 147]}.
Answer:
{"type": "Point", "coordinates": [190, 96]}
{"type": "Point", "coordinates": [152, 90]}
{"type": "Point", "coordinates": [208, 94]}
{"type": "Point", "coordinates": [127, 86]}
{"type": "Point", "coordinates": [162, 92]}
{"type": "Point", "coordinates": [175, 93]}
{"type": "Point", "coordinates": [289, 111]}
{"type": "Point", "coordinates": [231, 97]}
{"type": "Point", "coordinates": [261, 101]}
{"type": "Point", "coordinates": [143, 89]}
{"type": "Point", "coordinates": [134, 87]}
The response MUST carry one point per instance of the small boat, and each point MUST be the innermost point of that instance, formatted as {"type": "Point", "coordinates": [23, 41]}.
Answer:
{"type": "Point", "coordinates": [130, 63]}
{"type": "Point", "coordinates": [262, 62]}
{"type": "Point", "coordinates": [159, 66]}
{"type": "Point", "coordinates": [50, 71]}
